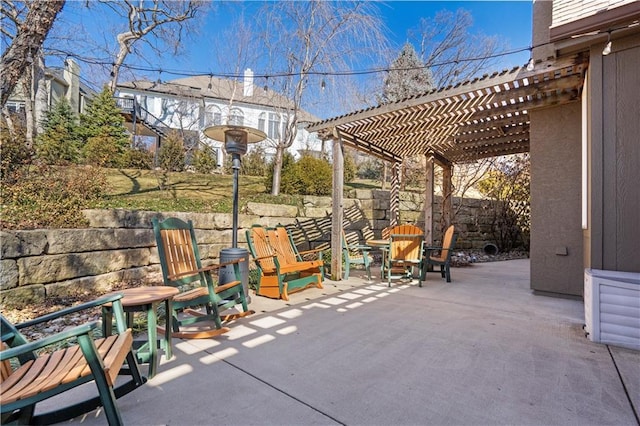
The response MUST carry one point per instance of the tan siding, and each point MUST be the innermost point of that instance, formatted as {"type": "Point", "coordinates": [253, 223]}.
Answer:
{"type": "Point", "coordinates": [565, 11]}
{"type": "Point", "coordinates": [621, 161]}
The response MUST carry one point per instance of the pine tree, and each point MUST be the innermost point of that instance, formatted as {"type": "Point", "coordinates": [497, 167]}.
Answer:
{"type": "Point", "coordinates": [171, 155]}
{"type": "Point", "coordinates": [103, 132]}
{"type": "Point", "coordinates": [407, 76]}
{"type": "Point", "coordinates": [59, 143]}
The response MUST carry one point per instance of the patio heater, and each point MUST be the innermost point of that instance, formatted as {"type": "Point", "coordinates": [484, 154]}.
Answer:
{"type": "Point", "coordinates": [236, 140]}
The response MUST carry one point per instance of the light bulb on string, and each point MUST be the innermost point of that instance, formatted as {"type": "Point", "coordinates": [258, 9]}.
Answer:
{"type": "Point", "coordinates": [607, 47]}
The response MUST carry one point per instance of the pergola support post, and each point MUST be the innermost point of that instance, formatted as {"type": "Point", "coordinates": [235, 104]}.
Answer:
{"type": "Point", "coordinates": [447, 196]}
{"type": "Point", "coordinates": [336, 209]}
{"type": "Point", "coordinates": [428, 202]}
{"type": "Point", "coordinates": [394, 208]}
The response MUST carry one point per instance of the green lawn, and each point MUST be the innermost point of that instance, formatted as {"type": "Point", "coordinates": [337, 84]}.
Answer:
{"type": "Point", "coordinates": [205, 193]}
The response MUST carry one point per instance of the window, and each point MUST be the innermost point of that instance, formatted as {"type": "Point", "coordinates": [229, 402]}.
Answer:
{"type": "Point", "coordinates": [236, 117]}
{"type": "Point", "coordinates": [212, 116]}
{"type": "Point", "coordinates": [262, 122]}
{"type": "Point", "coordinates": [15, 106]}
{"type": "Point", "coordinates": [274, 126]}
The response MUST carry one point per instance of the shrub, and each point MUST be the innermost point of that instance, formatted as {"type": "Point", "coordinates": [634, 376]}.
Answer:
{"type": "Point", "coordinates": [204, 160]}
{"type": "Point", "coordinates": [171, 155]}
{"type": "Point", "coordinates": [308, 176]}
{"type": "Point", "coordinates": [137, 158]}
{"type": "Point", "coordinates": [349, 168]}
{"type": "Point", "coordinates": [100, 151]}
{"type": "Point", "coordinates": [370, 169]}
{"type": "Point", "coordinates": [508, 183]}
{"type": "Point", "coordinates": [254, 163]}
{"type": "Point", "coordinates": [51, 197]}
{"type": "Point", "coordinates": [287, 162]}
{"type": "Point", "coordinates": [14, 152]}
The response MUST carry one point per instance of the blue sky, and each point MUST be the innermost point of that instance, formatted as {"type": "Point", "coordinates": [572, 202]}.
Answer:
{"type": "Point", "coordinates": [509, 20]}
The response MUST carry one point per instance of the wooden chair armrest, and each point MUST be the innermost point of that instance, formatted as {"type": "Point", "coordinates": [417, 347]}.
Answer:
{"type": "Point", "coordinates": [311, 251]}
{"type": "Point", "coordinates": [218, 288]}
{"type": "Point", "coordinates": [205, 269]}
{"type": "Point", "coordinates": [66, 311]}
{"type": "Point", "coordinates": [195, 271]}
{"type": "Point", "coordinates": [231, 262]}
{"type": "Point", "coordinates": [269, 256]}
{"type": "Point", "coordinates": [433, 248]}
{"type": "Point", "coordinates": [359, 247]}
{"type": "Point", "coordinates": [49, 340]}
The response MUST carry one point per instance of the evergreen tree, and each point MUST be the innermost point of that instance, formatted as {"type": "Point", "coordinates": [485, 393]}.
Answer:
{"type": "Point", "coordinates": [171, 155]}
{"type": "Point", "coordinates": [59, 143]}
{"type": "Point", "coordinates": [407, 76]}
{"type": "Point", "coordinates": [103, 132]}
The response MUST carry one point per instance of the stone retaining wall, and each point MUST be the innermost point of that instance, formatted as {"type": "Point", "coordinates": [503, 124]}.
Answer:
{"type": "Point", "coordinates": [119, 245]}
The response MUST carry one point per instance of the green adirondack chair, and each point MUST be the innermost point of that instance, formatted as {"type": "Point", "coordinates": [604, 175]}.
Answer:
{"type": "Point", "coordinates": [182, 268]}
{"type": "Point", "coordinates": [82, 359]}
{"type": "Point", "coordinates": [355, 254]}
{"type": "Point", "coordinates": [443, 256]}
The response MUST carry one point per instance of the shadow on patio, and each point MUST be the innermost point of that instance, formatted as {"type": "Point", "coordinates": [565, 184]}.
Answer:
{"type": "Point", "coordinates": [480, 350]}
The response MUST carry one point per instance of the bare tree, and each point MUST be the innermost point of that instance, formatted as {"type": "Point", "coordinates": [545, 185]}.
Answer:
{"type": "Point", "coordinates": [26, 41]}
{"type": "Point", "coordinates": [449, 50]}
{"type": "Point", "coordinates": [166, 20]}
{"type": "Point", "coordinates": [305, 42]}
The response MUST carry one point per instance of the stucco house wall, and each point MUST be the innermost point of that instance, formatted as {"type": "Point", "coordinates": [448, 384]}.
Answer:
{"type": "Point", "coordinates": [586, 155]}
{"type": "Point", "coordinates": [556, 233]}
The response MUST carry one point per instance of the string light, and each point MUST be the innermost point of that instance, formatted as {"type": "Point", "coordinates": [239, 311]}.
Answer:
{"type": "Point", "coordinates": [180, 73]}
{"type": "Point", "coordinates": [531, 65]}
{"type": "Point", "coordinates": [607, 47]}
{"type": "Point", "coordinates": [323, 85]}
{"type": "Point", "coordinates": [209, 85]}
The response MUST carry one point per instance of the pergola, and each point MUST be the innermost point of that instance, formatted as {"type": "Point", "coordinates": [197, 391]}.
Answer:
{"type": "Point", "coordinates": [475, 119]}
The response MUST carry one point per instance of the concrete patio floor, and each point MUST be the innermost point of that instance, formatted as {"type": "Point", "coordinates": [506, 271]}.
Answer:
{"type": "Point", "coordinates": [482, 350]}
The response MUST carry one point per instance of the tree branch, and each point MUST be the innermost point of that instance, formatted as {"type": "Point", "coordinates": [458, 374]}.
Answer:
{"type": "Point", "coordinates": [26, 44]}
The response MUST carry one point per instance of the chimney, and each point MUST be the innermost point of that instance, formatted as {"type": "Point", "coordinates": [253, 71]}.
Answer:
{"type": "Point", "coordinates": [71, 75]}
{"type": "Point", "coordinates": [248, 82]}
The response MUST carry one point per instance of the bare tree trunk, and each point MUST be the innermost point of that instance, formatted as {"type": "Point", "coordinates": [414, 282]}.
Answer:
{"type": "Point", "coordinates": [7, 118]}
{"type": "Point", "coordinates": [277, 170]}
{"type": "Point", "coordinates": [41, 96]}
{"type": "Point", "coordinates": [26, 44]}
{"type": "Point", "coordinates": [27, 87]}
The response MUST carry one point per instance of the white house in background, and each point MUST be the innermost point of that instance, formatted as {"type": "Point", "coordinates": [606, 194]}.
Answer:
{"type": "Point", "coordinates": [55, 85]}
{"type": "Point", "coordinates": [194, 103]}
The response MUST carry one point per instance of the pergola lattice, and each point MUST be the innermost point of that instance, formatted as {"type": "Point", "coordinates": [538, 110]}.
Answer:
{"type": "Point", "coordinates": [479, 118]}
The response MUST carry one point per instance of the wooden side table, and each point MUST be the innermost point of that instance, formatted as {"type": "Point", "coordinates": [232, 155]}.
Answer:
{"type": "Point", "coordinates": [145, 299]}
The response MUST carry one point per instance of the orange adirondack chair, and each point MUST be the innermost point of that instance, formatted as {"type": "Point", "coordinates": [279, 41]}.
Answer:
{"type": "Point", "coordinates": [406, 245]}
{"type": "Point", "coordinates": [281, 266]}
